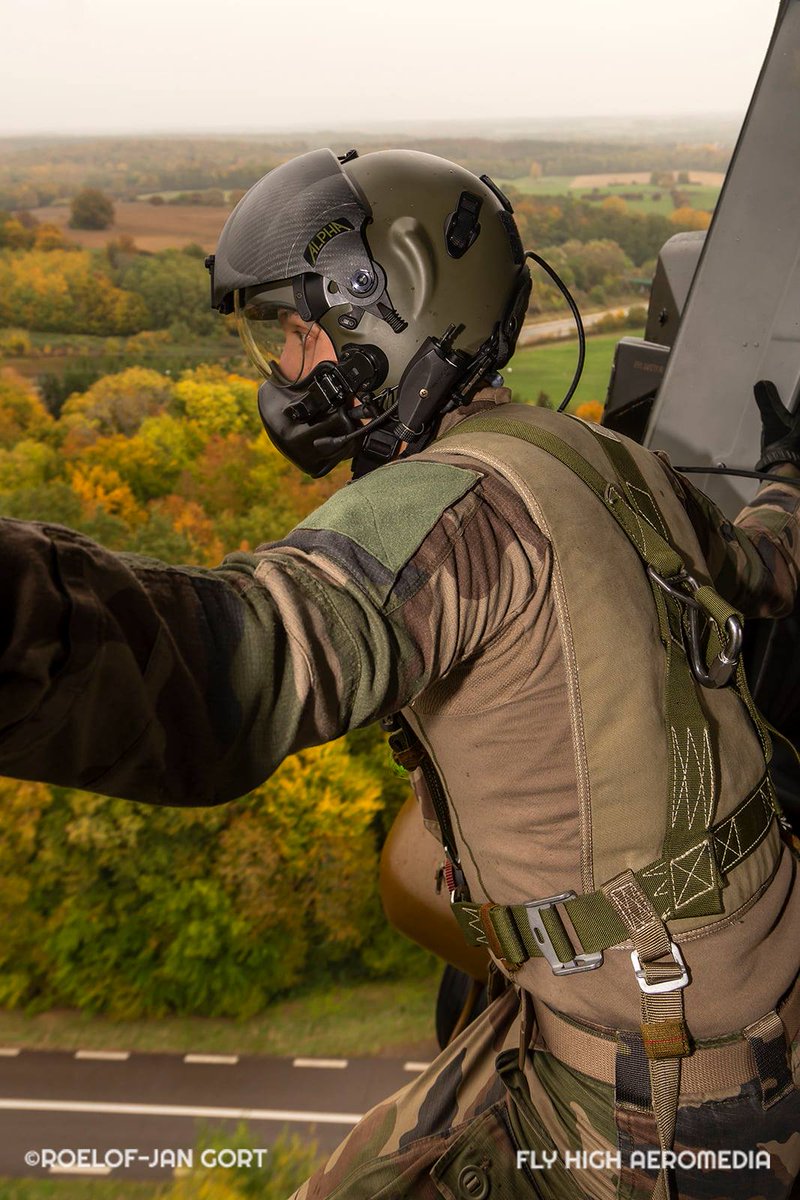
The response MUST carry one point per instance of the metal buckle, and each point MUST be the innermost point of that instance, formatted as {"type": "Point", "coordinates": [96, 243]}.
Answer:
{"type": "Point", "coordinates": [581, 962]}
{"type": "Point", "coordinates": [726, 662]}
{"type": "Point", "coordinates": [668, 985]}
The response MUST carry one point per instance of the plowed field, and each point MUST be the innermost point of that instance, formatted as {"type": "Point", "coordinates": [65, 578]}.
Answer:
{"type": "Point", "coordinates": [152, 226]}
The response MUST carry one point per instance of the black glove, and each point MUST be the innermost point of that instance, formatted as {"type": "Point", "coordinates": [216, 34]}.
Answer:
{"type": "Point", "coordinates": [780, 433]}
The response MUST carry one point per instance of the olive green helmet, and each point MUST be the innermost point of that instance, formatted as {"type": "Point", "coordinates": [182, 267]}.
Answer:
{"type": "Point", "coordinates": [373, 293]}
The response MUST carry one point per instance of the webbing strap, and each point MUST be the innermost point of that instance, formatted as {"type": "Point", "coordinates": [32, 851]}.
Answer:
{"type": "Point", "coordinates": [408, 752]}
{"type": "Point", "coordinates": [693, 786]}
{"type": "Point", "coordinates": [662, 978]}
{"type": "Point", "coordinates": [651, 544]}
{"type": "Point", "coordinates": [672, 885]}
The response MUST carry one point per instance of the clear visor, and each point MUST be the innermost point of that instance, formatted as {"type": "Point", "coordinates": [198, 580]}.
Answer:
{"type": "Point", "coordinates": [283, 346]}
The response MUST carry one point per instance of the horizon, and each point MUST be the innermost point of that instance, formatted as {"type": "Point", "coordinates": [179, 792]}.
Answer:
{"type": "Point", "coordinates": [614, 126]}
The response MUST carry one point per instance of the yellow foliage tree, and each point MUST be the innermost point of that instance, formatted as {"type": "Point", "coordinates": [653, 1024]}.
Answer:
{"type": "Point", "coordinates": [614, 204]}
{"type": "Point", "coordinates": [65, 291]}
{"type": "Point", "coordinates": [21, 411]}
{"type": "Point", "coordinates": [48, 237]}
{"type": "Point", "coordinates": [189, 518]}
{"type": "Point", "coordinates": [101, 487]}
{"type": "Point", "coordinates": [27, 465]}
{"type": "Point", "coordinates": [690, 218]}
{"type": "Point", "coordinates": [216, 403]}
{"type": "Point", "coordinates": [21, 807]}
{"type": "Point", "coordinates": [591, 410]}
{"type": "Point", "coordinates": [152, 460]}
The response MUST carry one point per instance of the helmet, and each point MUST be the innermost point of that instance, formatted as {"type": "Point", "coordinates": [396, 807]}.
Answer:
{"type": "Point", "coordinates": [374, 293]}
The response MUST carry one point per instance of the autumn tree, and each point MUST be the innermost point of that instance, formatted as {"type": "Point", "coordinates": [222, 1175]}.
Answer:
{"type": "Point", "coordinates": [21, 411]}
{"type": "Point", "coordinates": [65, 291]}
{"type": "Point", "coordinates": [115, 404]}
{"type": "Point", "coordinates": [690, 218]}
{"type": "Point", "coordinates": [91, 209]}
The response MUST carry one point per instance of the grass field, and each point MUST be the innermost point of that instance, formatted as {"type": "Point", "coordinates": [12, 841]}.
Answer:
{"type": "Point", "coordinates": [152, 226]}
{"type": "Point", "coordinates": [702, 194]}
{"type": "Point", "coordinates": [394, 1019]}
{"type": "Point", "coordinates": [78, 1189]}
{"type": "Point", "coordinates": [548, 368]}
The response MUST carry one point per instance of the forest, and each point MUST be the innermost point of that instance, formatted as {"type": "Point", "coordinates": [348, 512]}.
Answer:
{"type": "Point", "coordinates": [114, 907]}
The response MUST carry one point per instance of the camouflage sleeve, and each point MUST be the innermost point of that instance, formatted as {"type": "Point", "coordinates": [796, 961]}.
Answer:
{"type": "Point", "coordinates": [177, 685]}
{"type": "Point", "coordinates": [754, 560]}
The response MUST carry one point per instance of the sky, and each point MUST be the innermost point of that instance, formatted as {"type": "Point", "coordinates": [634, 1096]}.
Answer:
{"type": "Point", "coordinates": [129, 66]}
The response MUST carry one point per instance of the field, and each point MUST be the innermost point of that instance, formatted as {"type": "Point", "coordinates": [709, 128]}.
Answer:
{"type": "Point", "coordinates": [394, 1019]}
{"type": "Point", "coordinates": [703, 191]}
{"type": "Point", "coordinates": [152, 226]}
{"type": "Point", "coordinates": [548, 368]}
{"type": "Point", "coordinates": [708, 178]}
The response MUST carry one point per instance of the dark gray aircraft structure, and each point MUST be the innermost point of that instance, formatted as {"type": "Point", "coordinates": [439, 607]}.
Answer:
{"type": "Point", "coordinates": [724, 313]}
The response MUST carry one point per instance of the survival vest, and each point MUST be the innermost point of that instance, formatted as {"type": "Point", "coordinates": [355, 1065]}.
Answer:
{"type": "Point", "coordinates": [707, 837]}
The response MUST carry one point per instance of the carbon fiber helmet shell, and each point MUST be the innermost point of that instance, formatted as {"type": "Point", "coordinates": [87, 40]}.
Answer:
{"type": "Point", "coordinates": [266, 237]}
{"type": "Point", "coordinates": [386, 213]}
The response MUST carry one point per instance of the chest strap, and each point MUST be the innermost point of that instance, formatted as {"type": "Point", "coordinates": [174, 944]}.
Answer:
{"type": "Point", "coordinates": [535, 929]}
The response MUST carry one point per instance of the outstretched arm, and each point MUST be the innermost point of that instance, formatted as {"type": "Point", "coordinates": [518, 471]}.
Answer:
{"type": "Point", "coordinates": [175, 685]}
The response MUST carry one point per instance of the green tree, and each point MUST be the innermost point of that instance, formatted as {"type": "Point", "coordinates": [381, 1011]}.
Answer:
{"type": "Point", "coordinates": [173, 285]}
{"type": "Point", "coordinates": [91, 209]}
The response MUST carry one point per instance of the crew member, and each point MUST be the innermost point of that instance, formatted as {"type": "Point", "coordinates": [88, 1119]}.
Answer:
{"type": "Point", "coordinates": [548, 619]}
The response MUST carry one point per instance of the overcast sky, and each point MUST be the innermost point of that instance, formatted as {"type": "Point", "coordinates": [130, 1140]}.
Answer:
{"type": "Point", "coordinates": [74, 66]}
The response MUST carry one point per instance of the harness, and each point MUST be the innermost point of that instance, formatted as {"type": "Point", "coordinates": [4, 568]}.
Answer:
{"type": "Point", "coordinates": [701, 635]}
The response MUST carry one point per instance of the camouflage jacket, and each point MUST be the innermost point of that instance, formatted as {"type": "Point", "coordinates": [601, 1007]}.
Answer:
{"type": "Point", "coordinates": [181, 685]}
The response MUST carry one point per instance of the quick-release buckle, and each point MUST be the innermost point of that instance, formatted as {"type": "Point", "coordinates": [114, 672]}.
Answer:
{"type": "Point", "coordinates": [718, 674]}
{"type": "Point", "coordinates": [581, 962]}
{"type": "Point", "coordinates": [667, 985]}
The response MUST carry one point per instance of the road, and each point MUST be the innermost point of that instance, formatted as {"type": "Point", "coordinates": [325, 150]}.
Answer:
{"type": "Point", "coordinates": [147, 1103]}
{"type": "Point", "coordinates": [550, 331]}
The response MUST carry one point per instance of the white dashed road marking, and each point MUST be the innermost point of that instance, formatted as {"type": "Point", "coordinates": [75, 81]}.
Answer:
{"type": "Point", "coordinates": [9, 1053]}
{"type": "Point", "coordinates": [229, 1060]}
{"type": "Point", "coordinates": [104, 1055]}
{"type": "Point", "coordinates": [79, 1170]}
{"type": "Point", "coordinates": [330, 1063]}
{"type": "Point", "coordinates": [415, 1066]}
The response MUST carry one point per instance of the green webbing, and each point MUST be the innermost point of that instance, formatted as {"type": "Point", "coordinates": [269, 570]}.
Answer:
{"type": "Point", "coordinates": [596, 922]}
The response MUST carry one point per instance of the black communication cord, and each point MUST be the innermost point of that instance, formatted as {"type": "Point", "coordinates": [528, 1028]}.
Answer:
{"type": "Point", "coordinates": [764, 475]}
{"type": "Point", "coordinates": [335, 443]}
{"type": "Point", "coordinates": [565, 292]}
